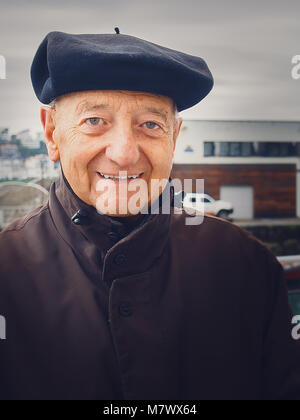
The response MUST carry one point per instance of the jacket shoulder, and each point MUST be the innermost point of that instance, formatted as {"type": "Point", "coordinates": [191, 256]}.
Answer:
{"type": "Point", "coordinates": [242, 237]}
{"type": "Point", "coordinates": [222, 237]}
{"type": "Point", "coordinates": [21, 222]}
{"type": "Point", "coordinates": [24, 233]}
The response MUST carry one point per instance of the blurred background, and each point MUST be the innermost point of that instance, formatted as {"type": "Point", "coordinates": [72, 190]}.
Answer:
{"type": "Point", "coordinates": [243, 139]}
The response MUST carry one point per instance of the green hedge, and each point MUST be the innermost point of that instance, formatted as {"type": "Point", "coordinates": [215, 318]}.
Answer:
{"type": "Point", "coordinates": [282, 240]}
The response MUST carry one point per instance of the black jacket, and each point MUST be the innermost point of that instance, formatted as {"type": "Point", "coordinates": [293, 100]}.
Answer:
{"type": "Point", "coordinates": [159, 311]}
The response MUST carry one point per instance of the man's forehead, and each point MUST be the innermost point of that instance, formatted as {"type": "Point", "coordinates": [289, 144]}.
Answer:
{"type": "Point", "coordinates": [112, 100]}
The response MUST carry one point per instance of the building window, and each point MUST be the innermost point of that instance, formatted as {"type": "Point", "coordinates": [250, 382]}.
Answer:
{"type": "Point", "coordinates": [248, 149]}
{"type": "Point", "coordinates": [224, 148]}
{"type": "Point", "coordinates": [209, 148]}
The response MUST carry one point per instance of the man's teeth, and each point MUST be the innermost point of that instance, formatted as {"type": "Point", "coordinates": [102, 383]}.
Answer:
{"type": "Point", "coordinates": [120, 178]}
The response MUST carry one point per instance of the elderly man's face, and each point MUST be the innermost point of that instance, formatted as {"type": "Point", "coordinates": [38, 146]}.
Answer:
{"type": "Point", "coordinates": [97, 134]}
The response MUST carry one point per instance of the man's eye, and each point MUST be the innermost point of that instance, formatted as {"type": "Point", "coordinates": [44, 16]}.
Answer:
{"type": "Point", "coordinates": [151, 125]}
{"type": "Point", "coordinates": [93, 121]}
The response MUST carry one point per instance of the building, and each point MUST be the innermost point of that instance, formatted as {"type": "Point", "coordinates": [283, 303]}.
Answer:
{"type": "Point", "coordinates": [27, 139]}
{"type": "Point", "coordinates": [37, 167]}
{"type": "Point", "coordinates": [4, 134]}
{"type": "Point", "coordinates": [9, 151]}
{"type": "Point", "coordinates": [253, 164]}
{"type": "Point", "coordinates": [40, 166]}
{"type": "Point", "coordinates": [12, 169]}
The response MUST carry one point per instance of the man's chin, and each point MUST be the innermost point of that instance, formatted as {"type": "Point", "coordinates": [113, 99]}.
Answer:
{"type": "Point", "coordinates": [128, 206]}
{"type": "Point", "coordinates": [115, 210]}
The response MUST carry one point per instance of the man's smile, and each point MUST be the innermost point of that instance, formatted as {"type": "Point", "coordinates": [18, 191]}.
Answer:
{"type": "Point", "coordinates": [120, 178]}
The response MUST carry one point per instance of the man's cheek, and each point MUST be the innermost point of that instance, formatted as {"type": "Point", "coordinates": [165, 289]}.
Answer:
{"type": "Point", "coordinates": [86, 152]}
{"type": "Point", "coordinates": [79, 156]}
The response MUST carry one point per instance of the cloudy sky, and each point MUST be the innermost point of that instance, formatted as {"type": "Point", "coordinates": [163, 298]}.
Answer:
{"type": "Point", "coordinates": [248, 46]}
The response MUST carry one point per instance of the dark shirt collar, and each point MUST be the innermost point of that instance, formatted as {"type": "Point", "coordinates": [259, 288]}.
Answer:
{"type": "Point", "coordinates": [88, 216]}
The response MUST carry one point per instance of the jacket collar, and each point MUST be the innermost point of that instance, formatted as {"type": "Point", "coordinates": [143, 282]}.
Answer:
{"type": "Point", "coordinates": [93, 235]}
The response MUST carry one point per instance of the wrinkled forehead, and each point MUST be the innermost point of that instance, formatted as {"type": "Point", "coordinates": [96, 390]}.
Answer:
{"type": "Point", "coordinates": [114, 99]}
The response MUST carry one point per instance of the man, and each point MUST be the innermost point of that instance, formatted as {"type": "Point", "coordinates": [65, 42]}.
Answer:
{"type": "Point", "coordinates": [104, 304]}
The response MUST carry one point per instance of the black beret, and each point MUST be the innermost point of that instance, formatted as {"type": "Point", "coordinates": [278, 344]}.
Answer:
{"type": "Point", "coordinates": [66, 63]}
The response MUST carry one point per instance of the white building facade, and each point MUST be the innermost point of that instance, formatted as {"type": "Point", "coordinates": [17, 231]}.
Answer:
{"type": "Point", "coordinates": [238, 144]}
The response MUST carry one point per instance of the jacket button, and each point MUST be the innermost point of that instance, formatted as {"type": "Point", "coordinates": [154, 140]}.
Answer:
{"type": "Point", "coordinates": [77, 221]}
{"type": "Point", "coordinates": [81, 217]}
{"type": "Point", "coordinates": [125, 309]}
{"type": "Point", "coordinates": [113, 236]}
{"type": "Point", "coordinates": [120, 259]}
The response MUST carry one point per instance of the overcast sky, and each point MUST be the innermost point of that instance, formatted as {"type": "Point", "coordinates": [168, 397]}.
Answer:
{"type": "Point", "coordinates": [248, 46]}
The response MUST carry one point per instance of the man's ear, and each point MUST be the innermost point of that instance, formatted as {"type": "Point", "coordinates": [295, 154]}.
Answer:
{"type": "Point", "coordinates": [176, 132]}
{"type": "Point", "coordinates": [48, 122]}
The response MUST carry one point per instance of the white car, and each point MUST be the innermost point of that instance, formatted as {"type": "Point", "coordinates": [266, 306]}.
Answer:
{"type": "Point", "coordinates": [204, 202]}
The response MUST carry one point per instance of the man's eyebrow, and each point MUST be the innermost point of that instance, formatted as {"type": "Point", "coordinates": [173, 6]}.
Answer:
{"type": "Point", "coordinates": [157, 111]}
{"type": "Point", "coordinates": [87, 106]}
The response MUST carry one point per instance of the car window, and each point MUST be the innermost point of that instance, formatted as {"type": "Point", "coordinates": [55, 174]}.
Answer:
{"type": "Point", "coordinates": [195, 199]}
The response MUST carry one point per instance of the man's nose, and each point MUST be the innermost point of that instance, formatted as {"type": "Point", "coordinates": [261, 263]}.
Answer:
{"type": "Point", "coordinates": [123, 148]}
